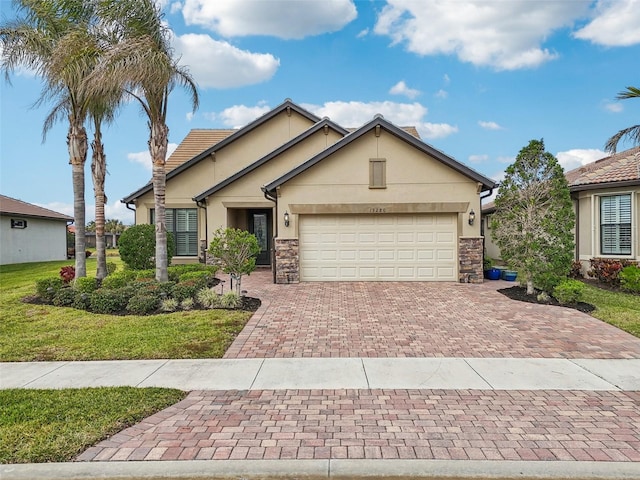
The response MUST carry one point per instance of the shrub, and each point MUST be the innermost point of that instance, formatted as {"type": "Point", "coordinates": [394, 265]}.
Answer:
{"type": "Point", "coordinates": [607, 270]}
{"type": "Point", "coordinates": [148, 274]}
{"type": "Point", "coordinates": [630, 278]}
{"type": "Point", "coordinates": [85, 284]}
{"type": "Point", "coordinates": [110, 301]}
{"type": "Point", "coordinates": [187, 304]}
{"type": "Point", "coordinates": [111, 268]}
{"type": "Point", "coordinates": [487, 263]}
{"type": "Point", "coordinates": [47, 288]}
{"type": "Point", "coordinates": [547, 281]}
{"type": "Point", "coordinates": [67, 274]}
{"type": "Point", "coordinates": [184, 290]}
{"type": "Point", "coordinates": [137, 247]}
{"type": "Point", "coordinates": [176, 270]}
{"type": "Point", "coordinates": [236, 250]}
{"type": "Point", "coordinates": [230, 300]}
{"type": "Point", "coordinates": [65, 297]}
{"type": "Point", "coordinates": [576, 270]}
{"type": "Point", "coordinates": [207, 298]}
{"type": "Point", "coordinates": [169, 305]}
{"type": "Point", "coordinates": [201, 278]}
{"type": "Point", "coordinates": [569, 291]}
{"type": "Point", "coordinates": [119, 279]}
{"type": "Point", "coordinates": [142, 304]}
{"type": "Point", "coordinates": [82, 301]}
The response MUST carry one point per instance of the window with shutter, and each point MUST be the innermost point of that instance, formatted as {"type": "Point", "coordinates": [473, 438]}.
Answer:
{"type": "Point", "coordinates": [615, 225]}
{"type": "Point", "coordinates": [377, 173]}
{"type": "Point", "coordinates": [183, 224]}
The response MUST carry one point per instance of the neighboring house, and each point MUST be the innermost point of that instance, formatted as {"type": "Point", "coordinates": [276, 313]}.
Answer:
{"type": "Point", "coordinates": [111, 239]}
{"type": "Point", "coordinates": [29, 233]}
{"type": "Point", "coordinates": [606, 196]}
{"type": "Point", "coordinates": [325, 203]}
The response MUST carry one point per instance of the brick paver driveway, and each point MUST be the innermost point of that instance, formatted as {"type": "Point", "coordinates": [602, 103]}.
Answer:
{"type": "Point", "coordinates": [393, 319]}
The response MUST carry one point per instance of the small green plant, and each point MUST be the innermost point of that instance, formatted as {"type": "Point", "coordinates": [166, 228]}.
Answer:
{"type": "Point", "coordinates": [630, 278]}
{"type": "Point", "coordinates": [109, 301]}
{"type": "Point", "coordinates": [65, 297]}
{"type": "Point", "coordinates": [487, 263]}
{"type": "Point", "coordinates": [230, 300]}
{"type": "Point", "coordinates": [82, 301]}
{"type": "Point", "coordinates": [142, 304]}
{"type": "Point", "coordinates": [176, 270]}
{"type": "Point", "coordinates": [207, 298]}
{"type": "Point", "coordinates": [119, 279]}
{"type": "Point", "coordinates": [85, 284]}
{"type": "Point", "coordinates": [569, 291]}
{"type": "Point", "coordinates": [47, 288]}
{"type": "Point", "coordinates": [111, 268]}
{"type": "Point", "coordinates": [543, 297]}
{"type": "Point", "coordinates": [184, 290]}
{"type": "Point", "coordinates": [547, 281]}
{"type": "Point", "coordinates": [169, 305]}
{"type": "Point", "coordinates": [187, 304]}
{"type": "Point", "coordinates": [137, 247]}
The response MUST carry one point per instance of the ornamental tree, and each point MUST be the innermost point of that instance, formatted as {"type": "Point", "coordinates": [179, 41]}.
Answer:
{"type": "Point", "coordinates": [534, 218]}
{"type": "Point", "coordinates": [236, 251]}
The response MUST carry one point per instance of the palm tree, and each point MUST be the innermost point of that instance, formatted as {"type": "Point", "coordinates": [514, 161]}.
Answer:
{"type": "Point", "coordinates": [52, 38]}
{"type": "Point", "coordinates": [114, 227]}
{"type": "Point", "coordinates": [632, 133]}
{"type": "Point", "coordinates": [140, 61]}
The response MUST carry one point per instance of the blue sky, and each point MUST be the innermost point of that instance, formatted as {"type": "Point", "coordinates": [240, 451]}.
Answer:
{"type": "Point", "coordinates": [478, 80]}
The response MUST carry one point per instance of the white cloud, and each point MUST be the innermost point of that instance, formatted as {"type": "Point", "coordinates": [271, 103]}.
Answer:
{"type": "Point", "coordinates": [354, 114]}
{"type": "Point", "coordinates": [175, 7]}
{"type": "Point", "coordinates": [218, 64]}
{"type": "Point", "coordinates": [616, 24]}
{"type": "Point", "coordinates": [240, 115]}
{"type": "Point", "coordinates": [278, 18]}
{"type": "Point", "coordinates": [189, 116]}
{"type": "Point", "coordinates": [508, 160]}
{"type": "Point", "coordinates": [60, 207]}
{"type": "Point", "coordinates": [144, 158]}
{"type": "Point", "coordinates": [478, 158]}
{"type": "Point", "coordinates": [441, 94]}
{"type": "Point", "coordinates": [489, 125]}
{"type": "Point", "coordinates": [401, 88]}
{"type": "Point", "coordinates": [613, 107]}
{"type": "Point", "coordinates": [577, 157]}
{"type": "Point", "coordinates": [503, 35]}
{"type": "Point", "coordinates": [116, 210]}
{"type": "Point", "coordinates": [446, 79]}
{"type": "Point", "coordinates": [363, 33]}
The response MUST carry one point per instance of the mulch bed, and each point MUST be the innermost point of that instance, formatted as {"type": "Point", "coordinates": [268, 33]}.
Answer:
{"type": "Point", "coordinates": [520, 294]}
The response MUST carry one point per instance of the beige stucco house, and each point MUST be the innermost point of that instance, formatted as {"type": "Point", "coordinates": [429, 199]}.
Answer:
{"type": "Point", "coordinates": [326, 203]}
{"type": "Point", "coordinates": [606, 198]}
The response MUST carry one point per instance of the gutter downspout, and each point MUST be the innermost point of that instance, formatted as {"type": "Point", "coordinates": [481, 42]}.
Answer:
{"type": "Point", "coordinates": [203, 205]}
{"type": "Point", "coordinates": [128, 205]}
{"type": "Point", "coordinates": [268, 196]}
{"type": "Point", "coordinates": [484, 248]}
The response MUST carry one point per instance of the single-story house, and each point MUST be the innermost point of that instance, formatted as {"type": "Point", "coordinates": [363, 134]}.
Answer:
{"type": "Point", "coordinates": [326, 203]}
{"type": "Point", "coordinates": [29, 233]}
{"type": "Point", "coordinates": [606, 197]}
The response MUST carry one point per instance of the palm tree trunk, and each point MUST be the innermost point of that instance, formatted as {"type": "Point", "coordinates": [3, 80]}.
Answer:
{"type": "Point", "coordinates": [77, 145]}
{"type": "Point", "coordinates": [158, 149]}
{"type": "Point", "coordinates": [98, 172]}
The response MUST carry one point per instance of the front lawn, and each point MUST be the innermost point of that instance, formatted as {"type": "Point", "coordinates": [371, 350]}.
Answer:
{"type": "Point", "coordinates": [31, 332]}
{"type": "Point", "coordinates": [617, 308]}
{"type": "Point", "coordinates": [56, 425]}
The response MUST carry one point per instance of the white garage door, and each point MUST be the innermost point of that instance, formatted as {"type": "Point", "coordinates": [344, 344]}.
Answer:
{"type": "Point", "coordinates": [378, 247]}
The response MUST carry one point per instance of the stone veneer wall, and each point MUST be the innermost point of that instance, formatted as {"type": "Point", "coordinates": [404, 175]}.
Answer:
{"type": "Point", "coordinates": [287, 261]}
{"type": "Point", "coordinates": [470, 257]}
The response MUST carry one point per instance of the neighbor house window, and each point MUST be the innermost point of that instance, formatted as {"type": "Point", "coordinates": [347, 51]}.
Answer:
{"type": "Point", "coordinates": [377, 173]}
{"type": "Point", "coordinates": [615, 225]}
{"type": "Point", "coordinates": [183, 223]}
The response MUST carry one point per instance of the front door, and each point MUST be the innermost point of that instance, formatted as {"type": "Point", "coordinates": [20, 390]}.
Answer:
{"type": "Point", "coordinates": [260, 222]}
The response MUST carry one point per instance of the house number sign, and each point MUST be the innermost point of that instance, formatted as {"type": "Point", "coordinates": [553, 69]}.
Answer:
{"type": "Point", "coordinates": [377, 210]}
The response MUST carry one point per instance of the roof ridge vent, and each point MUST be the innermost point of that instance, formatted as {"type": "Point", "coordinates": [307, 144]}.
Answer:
{"type": "Point", "coordinates": [378, 115]}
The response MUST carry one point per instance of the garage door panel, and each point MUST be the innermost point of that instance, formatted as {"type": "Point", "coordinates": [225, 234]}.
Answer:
{"type": "Point", "coordinates": [378, 247]}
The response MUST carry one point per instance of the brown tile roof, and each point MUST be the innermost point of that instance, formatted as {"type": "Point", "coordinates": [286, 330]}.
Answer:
{"type": "Point", "coordinates": [621, 167]}
{"type": "Point", "coordinates": [11, 206]}
{"type": "Point", "coordinates": [196, 141]}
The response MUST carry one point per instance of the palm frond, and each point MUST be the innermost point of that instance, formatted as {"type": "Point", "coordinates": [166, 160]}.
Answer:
{"type": "Point", "coordinates": [630, 92]}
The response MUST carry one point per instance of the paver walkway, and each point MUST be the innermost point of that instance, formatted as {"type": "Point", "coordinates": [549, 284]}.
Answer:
{"type": "Point", "coordinates": [400, 320]}
{"type": "Point", "coordinates": [389, 319]}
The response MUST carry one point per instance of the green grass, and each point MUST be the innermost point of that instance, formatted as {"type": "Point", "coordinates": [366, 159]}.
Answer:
{"type": "Point", "coordinates": [617, 308]}
{"type": "Point", "coordinates": [56, 425]}
{"type": "Point", "coordinates": [31, 332]}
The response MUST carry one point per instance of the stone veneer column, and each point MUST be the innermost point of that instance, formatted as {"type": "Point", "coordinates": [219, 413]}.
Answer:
{"type": "Point", "coordinates": [470, 253]}
{"type": "Point", "coordinates": [287, 261]}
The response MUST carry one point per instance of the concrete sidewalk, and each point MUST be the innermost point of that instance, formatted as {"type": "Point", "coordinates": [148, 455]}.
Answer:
{"type": "Point", "coordinates": [332, 373]}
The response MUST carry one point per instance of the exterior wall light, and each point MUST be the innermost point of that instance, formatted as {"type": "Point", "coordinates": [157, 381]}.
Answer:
{"type": "Point", "coordinates": [472, 217]}
{"type": "Point", "coordinates": [286, 219]}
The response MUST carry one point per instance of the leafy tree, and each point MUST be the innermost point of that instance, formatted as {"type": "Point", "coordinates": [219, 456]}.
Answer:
{"type": "Point", "coordinates": [236, 251]}
{"type": "Point", "coordinates": [114, 227]}
{"type": "Point", "coordinates": [54, 39]}
{"type": "Point", "coordinates": [632, 133]}
{"type": "Point", "coordinates": [140, 62]}
{"type": "Point", "coordinates": [137, 247]}
{"type": "Point", "coordinates": [534, 217]}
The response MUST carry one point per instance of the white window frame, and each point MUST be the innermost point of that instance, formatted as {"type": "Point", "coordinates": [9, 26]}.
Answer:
{"type": "Point", "coordinates": [597, 224]}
